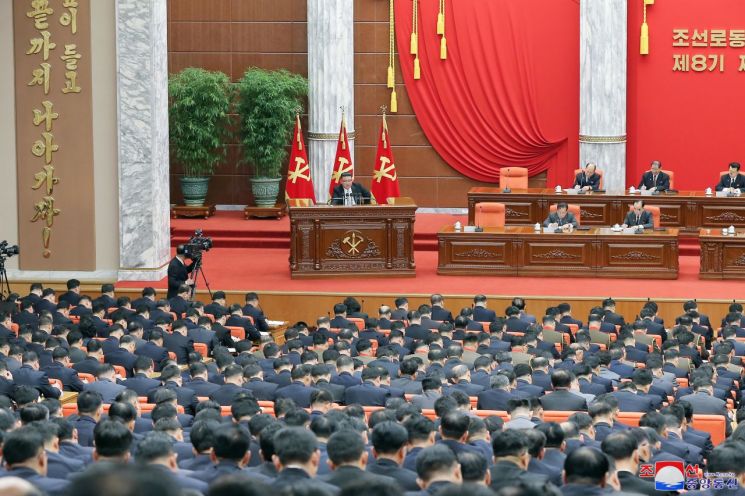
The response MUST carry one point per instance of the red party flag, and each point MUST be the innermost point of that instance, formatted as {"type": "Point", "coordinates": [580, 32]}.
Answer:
{"type": "Point", "coordinates": [385, 179]}
{"type": "Point", "coordinates": [299, 183]}
{"type": "Point", "coordinates": [343, 160]}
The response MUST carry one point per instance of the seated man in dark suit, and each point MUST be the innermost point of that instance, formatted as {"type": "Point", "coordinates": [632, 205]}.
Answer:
{"type": "Point", "coordinates": [60, 369]}
{"type": "Point", "coordinates": [499, 394]}
{"type": "Point", "coordinates": [511, 459]}
{"type": "Point", "coordinates": [480, 312]}
{"type": "Point", "coordinates": [586, 472]}
{"type": "Point", "coordinates": [154, 348]}
{"type": "Point", "coordinates": [26, 459]}
{"type": "Point", "coordinates": [369, 393]}
{"type": "Point", "coordinates": [562, 398]}
{"type": "Point", "coordinates": [300, 389]}
{"type": "Point", "coordinates": [107, 296]}
{"type": "Point", "coordinates": [180, 301]}
{"type": "Point", "coordinates": [439, 312]}
{"type": "Point", "coordinates": [349, 193]}
{"type": "Point", "coordinates": [105, 383]}
{"type": "Point", "coordinates": [588, 179]}
{"type": "Point", "coordinates": [237, 319]}
{"type": "Point", "coordinates": [733, 182]}
{"type": "Point", "coordinates": [30, 375]}
{"type": "Point", "coordinates": [348, 458]}
{"type": "Point", "coordinates": [218, 303]}
{"type": "Point", "coordinates": [173, 382]}
{"type": "Point", "coordinates": [124, 355]}
{"type": "Point", "coordinates": [178, 342]}
{"type": "Point", "coordinates": [141, 381]}
{"type": "Point", "coordinates": [340, 318]}
{"type": "Point", "coordinates": [253, 310]}
{"type": "Point", "coordinates": [704, 402]}
{"type": "Point", "coordinates": [389, 441]}
{"type": "Point", "coordinates": [562, 219]}
{"type": "Point", "coordinates": [621, 448]}
{"type": "Point", "coordinates": [72, 296]}
{"type": "Point", "coordinates": [225, 394]}
{"type": "Point", "coordinates": [638, 217]}
{"type": "Point", "coordinates": [654, 179]}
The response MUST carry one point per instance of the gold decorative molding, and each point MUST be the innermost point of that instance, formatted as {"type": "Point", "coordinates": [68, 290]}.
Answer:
{"type": "Point", "coordinates": [586, 138]}
{"type": "Point", "coordinates": [329, 136]}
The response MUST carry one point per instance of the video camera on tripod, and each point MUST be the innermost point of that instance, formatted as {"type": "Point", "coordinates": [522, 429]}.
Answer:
{"type": "Point", "coordinates": [193, 250]}
{"type": "Point", "coordinates": [6, 251]}
{"type": "Point", "coordinates": [197, 245]}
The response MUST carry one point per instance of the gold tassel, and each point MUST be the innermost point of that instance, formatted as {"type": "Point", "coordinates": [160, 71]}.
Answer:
{"type": "Point", "coordinates": [440, 23]}
{"type": "Point", "coordinates": [443, 48]}
{"type": "Point", "coordinates": [394, 101]}
{"type": "Point", "coordinates": [390, 77]}
{"type": "Point", "coordinates": [644, 41]}
{"type": "Point", "coordinates": [417, 69]}
{"type": "Point", "coordinates": [414, 44]}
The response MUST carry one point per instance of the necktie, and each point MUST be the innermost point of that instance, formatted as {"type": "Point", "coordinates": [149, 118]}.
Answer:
{"type": "Point", "coordinates": [637, 219]}
{"type": "Point", "coordinates": [654, 180]}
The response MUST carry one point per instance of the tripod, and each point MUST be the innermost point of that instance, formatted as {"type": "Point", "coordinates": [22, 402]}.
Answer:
{"type": "Point", "coordinates": [195, 275]}
{"type": "Point", "coordinates": [4, 282]}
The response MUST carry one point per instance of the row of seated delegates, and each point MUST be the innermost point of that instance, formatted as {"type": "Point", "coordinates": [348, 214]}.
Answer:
{"type": "Point", "coordinates": [565, 220]}
{"type": "Point", "coordinates": [657, 180]}
{"type": "Point", "coordinates": [441, 364]}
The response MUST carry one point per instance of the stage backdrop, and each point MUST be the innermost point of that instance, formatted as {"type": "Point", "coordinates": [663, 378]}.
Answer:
{"type": "Point", "coordinates": [508, 92]}
{"type": "Point", "coordinates": [685, 99]}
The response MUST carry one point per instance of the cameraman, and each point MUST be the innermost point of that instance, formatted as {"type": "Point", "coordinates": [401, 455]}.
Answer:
{"type": "Point", "coordinates": [178, 272]}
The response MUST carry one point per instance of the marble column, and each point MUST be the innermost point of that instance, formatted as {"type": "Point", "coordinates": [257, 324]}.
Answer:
{"type": "Point", "coordinates": [142, 96]}
{"type": "Point", "coordinates": [331, 79]}
{"type": "Point", "coordinates": [603, 88]}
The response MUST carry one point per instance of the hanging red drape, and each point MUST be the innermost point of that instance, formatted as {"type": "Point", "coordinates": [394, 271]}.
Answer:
{"type": "Point", "coordinates": [508, 93]}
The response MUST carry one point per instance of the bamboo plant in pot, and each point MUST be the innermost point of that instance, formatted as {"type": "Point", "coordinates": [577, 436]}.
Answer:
{"type": "Point", "coordinates": [198, 118]}
{"type": "Point", "coordinates": [267, 107]}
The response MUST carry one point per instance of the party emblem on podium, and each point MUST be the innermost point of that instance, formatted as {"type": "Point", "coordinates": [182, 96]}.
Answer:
{"type": "Point", "coordinates": [352, 241]}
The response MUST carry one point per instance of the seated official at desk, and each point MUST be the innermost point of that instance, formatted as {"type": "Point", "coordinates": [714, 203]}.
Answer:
{"type": "Point", "coordinates": [588, 179]}
{"type": "Point", "coordinates": [654, 179]}
{"type": "Point", "coordinates": [349, 193]}
{"type": "Point", "coordinates": [639, 217]}
{"type": "Point", "coordinates": [732, 182]}
{"type": "Point", "coordinates": [562, 219]}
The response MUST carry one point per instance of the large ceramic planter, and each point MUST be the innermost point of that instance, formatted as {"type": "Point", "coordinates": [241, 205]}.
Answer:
{"type": "Point", "coordinates": [194, 190]}
{"type": "Point", "coordinates": [265, 190]}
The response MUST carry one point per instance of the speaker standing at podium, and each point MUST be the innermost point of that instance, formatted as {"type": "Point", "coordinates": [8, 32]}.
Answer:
{"type": "Point", "coordinates": [349, 193]}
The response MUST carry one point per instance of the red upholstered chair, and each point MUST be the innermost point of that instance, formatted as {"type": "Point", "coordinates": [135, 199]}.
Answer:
{"type": "Point", "coordinates": [671, 175]}
{"type": "Point", "coordinates": [490, 214]}
{"type": "Point", "coordinates": [513, 177]}
{"type": "Point", "coordinates": [655, 211]}
{"type": "Point", "coordinates": [598, 172]}
{"type": "Point", "coordinates": [574, 209]}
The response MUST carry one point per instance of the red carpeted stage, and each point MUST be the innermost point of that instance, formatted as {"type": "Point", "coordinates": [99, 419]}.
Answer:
{"type": "Point", "coordinates": [253, 255]}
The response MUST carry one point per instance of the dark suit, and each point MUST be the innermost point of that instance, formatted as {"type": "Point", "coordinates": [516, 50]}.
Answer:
{"type": "Point", "coordinates": [295, 477]}
{"type": "Point", "coordinates": [482, 314]}
{"type": "Point", "coordinates": [336, 390]}
{"type": "Point", "coordinates": [346, 379]}
{"type": "Point", "coordinates": [258, 315]}
{"type": "Point", "coordinates": [45, 305]}
{"type": "Point", "coordinates": [105, 300]}
{"type": "Point", "coordinates": [563, 400]}
{"type": "Point", "coordinates": [179, 344]}
{"type": "Point", "coordinates": [50, 486]}
{"type": "Point", "coordinates": [141, 383]}
{"type": "Point", "coordinates": [106, 388]}
{"type": "Point", "coordinates": [123, 358]}
{"type": "Point", "coordinates": [237, 321]}
{"type": "Point", "coordinates": [203, 388]}
{"type": "Point", "coordinates": [416, 331]}
{"type": "Point", "coordinates": [178, 273]}
{"type": "Point", "coordinates": [643, 219]}
{"type": "Point", "coordinates": [553, 218]}
{"type": "Point", "coordinates": [84, 425]}
{"type": "Point", "coordinates": [703, 403]}
{"type": "Point", "coordinates": [542, 380]}
{"type": "Point", "coordinates": [27, 376]}
{"type": "Point", "coordinates": [60, 466]}
{"type": "Point", "coordinates": [179, 306]}
{"type": "Point", "coordinates": [582, 180]}
{"type": "Point", "coordinates": [151, 350]}
{"type": "Point", "coordinates": [365, 394]}
{"type": "Point", "coordinates": [89, 365]}
{"type": "Point", "coordinates": [629, 401]}
{"type": "Point", "coordinates": [496, 399]}
{"type": "Point", "coordinates": [298, 392]}
{"type": "Point", "coordinates": [282, 379]}
{"type": "Point", "coordinates": [358, 192]}
{"type": "Point", "coordinates": [504, 474]}
{"type": "Point", "coordinates": [441, 314]}
{"type": "Point", "coordinates": [184, 396]}
{"type": "Point", "coordinates": [661, 182]}
{"type": "Point", "coordinates": [727, 182]}
{"type": "Point", "coordinates": [406, 479]}
{"type": "Point", "coordinates": [348, 474]}
{"type": "Point", "coordinates": [226, 393]}
{"type": "Point", "coordinates": [69, 377]}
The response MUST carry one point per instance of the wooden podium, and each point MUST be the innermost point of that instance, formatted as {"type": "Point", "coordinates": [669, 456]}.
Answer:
{"type": "Point", "coordinates": [365, 240]}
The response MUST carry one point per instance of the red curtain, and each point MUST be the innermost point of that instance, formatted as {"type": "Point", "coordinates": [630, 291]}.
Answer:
{"type": "Point", "coordinates": [691, 121]}
{"type": "Point", "coordinates": [508, 93]}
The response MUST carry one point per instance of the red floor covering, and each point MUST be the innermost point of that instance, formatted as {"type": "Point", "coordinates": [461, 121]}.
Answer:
{"type": "Point", "coordinates": [267, 270]}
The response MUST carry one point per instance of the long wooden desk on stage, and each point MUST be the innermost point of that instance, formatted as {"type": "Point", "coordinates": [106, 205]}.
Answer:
{"type": "Point", "coordinates": [598, 252]}
{"type": "Point", "coordinates": [722, 257]}
{"type": "Point", "coordinates": [687, 210]}
{"type": "Point", "coordinates": [369, 240]}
